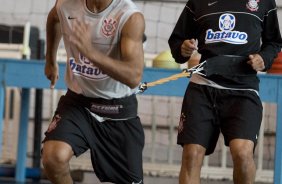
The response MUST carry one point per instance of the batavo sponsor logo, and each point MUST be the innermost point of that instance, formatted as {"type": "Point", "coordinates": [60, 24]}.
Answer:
{"type": "Point", "coordinates": [226, 34]}
{"type": "Point", "coordinates": [86, 69]}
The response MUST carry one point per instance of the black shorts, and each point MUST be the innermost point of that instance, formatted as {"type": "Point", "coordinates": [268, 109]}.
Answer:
{"type": "Point", "coordinates": [207, 111]}
{"type": "Point", "coordinates": [116, 146]}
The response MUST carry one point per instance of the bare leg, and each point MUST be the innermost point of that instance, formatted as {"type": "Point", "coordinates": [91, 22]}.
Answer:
{"type": "Point", "coordinates": [192, 160]}
{"type": "Point", "coordinates": [55, 158]}
{"type": "Point", "coordinates": [244, 165]}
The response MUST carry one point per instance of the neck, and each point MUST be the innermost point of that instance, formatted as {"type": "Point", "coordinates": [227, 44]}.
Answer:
{"type": "Point", "coordinates": [97, 6]}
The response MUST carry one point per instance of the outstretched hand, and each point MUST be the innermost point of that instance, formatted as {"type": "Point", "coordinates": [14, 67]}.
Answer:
{"type": "Point", "coordinates": [256, 61]}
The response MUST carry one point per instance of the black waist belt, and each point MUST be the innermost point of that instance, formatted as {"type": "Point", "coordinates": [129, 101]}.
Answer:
{"type": "Point", "coordinates": [118, 108]}
{"type": "Point", "coordinates": [228, 66]}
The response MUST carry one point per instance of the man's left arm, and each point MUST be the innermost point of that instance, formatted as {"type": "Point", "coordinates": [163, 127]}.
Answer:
{"type": "Point", "coordinates": [271, 38]}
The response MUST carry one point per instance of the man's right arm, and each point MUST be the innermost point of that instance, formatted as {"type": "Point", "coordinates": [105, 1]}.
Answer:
{"type": "Point", "coordinates": [182, 39]}
{"type": "Point", "coordinates": [53, 37]}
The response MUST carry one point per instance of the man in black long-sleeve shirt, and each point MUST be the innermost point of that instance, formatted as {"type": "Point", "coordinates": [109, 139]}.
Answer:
{"type": "Point", "coordinates": [236, 39]}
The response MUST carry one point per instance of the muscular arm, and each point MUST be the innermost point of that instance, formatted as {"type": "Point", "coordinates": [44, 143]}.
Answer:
{"type": "Point", "coordinates": [53, 37]}
{"type": "Point", "coordinates": [132, 50]}
{"type": "Point", "coordinates": [129, 69]}
{"type": "Point", "coordinates": [271, 38]}
{"type": "Point", "coordinates": [182, 38]}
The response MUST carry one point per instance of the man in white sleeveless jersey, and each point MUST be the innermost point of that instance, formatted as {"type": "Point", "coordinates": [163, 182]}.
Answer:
{"type": "Point", "coordinates": [105, 60]}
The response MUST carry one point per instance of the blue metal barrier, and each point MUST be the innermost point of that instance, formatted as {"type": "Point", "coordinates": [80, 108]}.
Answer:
{"type": "Point", "coordinates": [27, 74]}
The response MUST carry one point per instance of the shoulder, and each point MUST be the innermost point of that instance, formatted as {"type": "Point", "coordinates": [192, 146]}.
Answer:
{"type": "Point", "coordinates": [135, 19]}
{"type": "Point", "coordinates": [193, 5]}
{"type": "Point", "coordinates": [68, 3]}
{"type": "Point", "coordinates": [59, 3]}
{"type": "Point", "coordinates": [268, 5]}
{"type": "Point", "coordinates": [67, 6]}
{"type": "Point", "coordinates": [134, 24]}
{"type": "Point", "coordinates": [128, 6]}
{"type": "Point", "coordinates": [130, 12]}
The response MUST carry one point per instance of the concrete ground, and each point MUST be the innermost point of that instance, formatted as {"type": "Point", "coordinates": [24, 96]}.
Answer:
{"type": "Point", "coordinates": [90, 178]}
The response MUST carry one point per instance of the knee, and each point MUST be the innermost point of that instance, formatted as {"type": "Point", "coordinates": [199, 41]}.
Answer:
{"type": "Point", "coordinates": [241, 153]}
{"type": "Point", "coordinates": [242, 156]}
{"type": "Point", "coordinates": [54, 158]}
{"type": "Point", "coordinates": [55, 155]}
{"type": "Point", "coordinates": [193, 154]}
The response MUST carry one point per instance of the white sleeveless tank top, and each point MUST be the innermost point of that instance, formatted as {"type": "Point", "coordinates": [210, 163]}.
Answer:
{"type": "Point", "coordinates": [81, 75]}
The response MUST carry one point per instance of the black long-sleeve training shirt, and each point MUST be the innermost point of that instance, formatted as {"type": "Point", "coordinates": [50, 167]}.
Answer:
{"type": "Point", "coordinates": [229, 27]}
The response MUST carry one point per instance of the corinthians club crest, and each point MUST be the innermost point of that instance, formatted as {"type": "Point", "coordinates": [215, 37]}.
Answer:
{"type": "Point", "coordinates": [109, 27]}
{"type": "Point", "coordinates": [253, 5]}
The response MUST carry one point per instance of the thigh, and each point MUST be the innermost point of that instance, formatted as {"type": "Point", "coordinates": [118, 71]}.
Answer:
{"type": "Point", "coordinates": [198, 119]}
{"type": "Point", "coordinates": [241, 115]}
{"type": "Point", "coordinates": [116, 151]}
{"type": "Point", "coordinates": [67, 125]}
